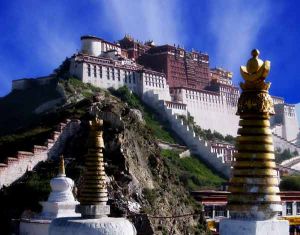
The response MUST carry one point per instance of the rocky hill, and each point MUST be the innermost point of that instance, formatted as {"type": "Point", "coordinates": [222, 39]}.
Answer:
{"type": "Point", "coordinates": [148, 185]}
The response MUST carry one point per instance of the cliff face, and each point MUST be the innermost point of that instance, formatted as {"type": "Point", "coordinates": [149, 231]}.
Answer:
{"type": "Point", "coordinates": [143, 185]}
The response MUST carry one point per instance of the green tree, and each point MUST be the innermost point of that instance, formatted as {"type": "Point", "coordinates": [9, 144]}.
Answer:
{"type": "Point", "coordinates": [290, 183]}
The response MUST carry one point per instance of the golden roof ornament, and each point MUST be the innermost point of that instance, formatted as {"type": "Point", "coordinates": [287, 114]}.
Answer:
{"type": "Point", "coordinates": [254, 181]}
{"type": "Point", "coordinates": [255, 97]}
{"type": "Point", "coordinates": [255, 72]}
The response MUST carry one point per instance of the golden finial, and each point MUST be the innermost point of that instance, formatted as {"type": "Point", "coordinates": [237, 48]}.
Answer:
{"type": "Point", "coordinates": [254, 181]}
{"type": "Point", "coordinates": [255, 72]}
{"type": "Point", "coordinates": [61, 171]}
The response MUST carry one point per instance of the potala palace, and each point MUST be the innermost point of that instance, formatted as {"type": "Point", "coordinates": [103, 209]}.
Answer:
{"type": "Point", "coordinates": [182, 79]}
{"type": "Point", "coordinates": [175, 80]}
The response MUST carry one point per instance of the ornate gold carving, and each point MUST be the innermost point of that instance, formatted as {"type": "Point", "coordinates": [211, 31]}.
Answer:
{"type": "Point", "coordinates": [255, 102]}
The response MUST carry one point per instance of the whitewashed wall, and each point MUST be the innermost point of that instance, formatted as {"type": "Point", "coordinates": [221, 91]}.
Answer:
{"type": "Point", "coordinates": [211, 111]}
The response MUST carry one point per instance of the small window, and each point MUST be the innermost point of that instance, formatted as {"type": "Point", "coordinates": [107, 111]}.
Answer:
{"type": "Point", "coordinates": [133, 77]}
{"type": "Point", "coordinates": [113, 73]}
{"type": "Point", "coordinates": [298, 208]}
{"type": "Point", "coordinates": [89, 70]}
{"type": "Point", "coordinates": [208, 211]}
{"type": "Point", "coordinates": [100, 71]}
{"type": "Point", "coordinates": [220, 211]}
{"type": "Point", "coordinates": [108, 73]}
{"type": "Point", "coordinates": [289, 208]}
{"type": "Point", "coordinates": [95, 71]}
{"type": "Point", "coordinates": [119, 75]}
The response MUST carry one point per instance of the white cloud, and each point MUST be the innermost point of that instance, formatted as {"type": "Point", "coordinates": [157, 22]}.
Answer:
{"type": "Point", "coordinates": [55, 44]}
{"type": "Point", "coordinates": [235, 25]}
{"type": "Point", "coordinates": [156, 20]}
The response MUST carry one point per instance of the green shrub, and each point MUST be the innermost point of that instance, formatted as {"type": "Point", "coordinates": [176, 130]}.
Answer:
{"type": "Point", "coordinates": [282, 156]}
{"type": "Point", "coordinates": [290, 183]}
{"type": "Point", "coordinates": [191, 171]}
{"type": "Point", "coordinates": [150, 195]}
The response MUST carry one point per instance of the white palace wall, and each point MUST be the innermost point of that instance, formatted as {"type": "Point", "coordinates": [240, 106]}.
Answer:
{"type": "Point", "coordinates": [106, 75]}
{"type": "Point", "coordinates": [211, 111]}
{"type": "Point", "coordinates": [290, 124]}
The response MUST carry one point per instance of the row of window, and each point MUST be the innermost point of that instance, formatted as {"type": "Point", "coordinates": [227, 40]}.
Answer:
{"type": "Point", "coordinates": [221, 210]}
{"type": "Point", "coordinates": [289, 208]}
{"type": "Point", "coordinates": [153, 79]}
{"type": "Point", "coordinates": [205, 98]}
{"type": "Point", "coordinates": [110, 73]}
{"type": "Point", "coordinates": [155, 84]}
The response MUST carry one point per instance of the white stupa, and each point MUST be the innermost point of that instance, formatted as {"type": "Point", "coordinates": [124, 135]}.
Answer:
{"type": "Point", "coordinates": [93, 198]}
{"type": "Point", "coordinates": [61, 203]}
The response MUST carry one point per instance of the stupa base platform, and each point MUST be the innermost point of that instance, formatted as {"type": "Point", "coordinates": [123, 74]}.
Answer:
{"type": "Point", "coordinates": [102, 226]}
{"type": "Point", "coordinates": [252, 227]}
{"type": "Point", "coordinates": [93, 211]}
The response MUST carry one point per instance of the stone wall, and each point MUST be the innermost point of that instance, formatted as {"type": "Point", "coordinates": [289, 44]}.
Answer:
{"type": "Point", "coordinates": [282, 143]}
{"type": "Point", "coordinates": [22, 84]}
{"type": "Point", "coordinates": [15, 167]}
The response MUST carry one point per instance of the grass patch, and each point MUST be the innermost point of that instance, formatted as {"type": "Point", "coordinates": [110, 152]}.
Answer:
{"type": "Point", "coordinates": [191, 171]}
{"type": "Point", "coordinates": [24, 141]}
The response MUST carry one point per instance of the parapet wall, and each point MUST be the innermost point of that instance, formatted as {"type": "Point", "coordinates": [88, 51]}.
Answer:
{"type": "Point", "coordinates": [23, 84]}
{"type": "Point", "coordinates": [15, 167]}
{"type": "Point", "coordinates": [283, 144]}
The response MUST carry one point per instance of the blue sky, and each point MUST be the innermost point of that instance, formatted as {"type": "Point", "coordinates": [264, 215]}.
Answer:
{"type": "Point", "coordinates": [37, 35]}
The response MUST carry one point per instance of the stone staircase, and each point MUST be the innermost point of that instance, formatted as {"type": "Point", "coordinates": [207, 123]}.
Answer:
{"type": "Point", "coordinates": [15, 167]}
{"type": "Point", "coordinates": [198, 147]}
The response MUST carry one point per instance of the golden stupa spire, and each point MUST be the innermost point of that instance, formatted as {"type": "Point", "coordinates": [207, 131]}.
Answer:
{"type": "Point", "coordinates": [93, 194]}
{"type": "Point", "coordinates": [61, 170]}
{"type": "Point", "coordinates": [254, 182]}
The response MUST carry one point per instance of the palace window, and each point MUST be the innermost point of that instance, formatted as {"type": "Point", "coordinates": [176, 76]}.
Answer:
{"type": "Point", "coordinates": [89, 70]}
{"type": "Point", "coordinates": [298, 208]}
{"type": "Point", "coordinates": [208, 211]}
{"type": "Point", "coordinates": [95, 71]}
{"type": "Point", "coordinates": [133, 77]}
{"type": "Point", "coordinates": [126, 76]}
{"type": "Point", "coordinates": [119, 75]}
{"type": "Point", "coordinates": [100, 71]}
{"type": "Point", "coordinates": [108, 73]}
{"type": "Point", "coordinates": [289, 208]}
{"type": "Point", "coordinates": [113, 73]}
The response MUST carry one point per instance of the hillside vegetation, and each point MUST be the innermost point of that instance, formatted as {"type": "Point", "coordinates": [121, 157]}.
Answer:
{"type": "Point", "coordinates": [162, 179]}
{"type": "Point", "coordinates": [152, 119]}
{"type": "Point", "coordinates": [191, 172]}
